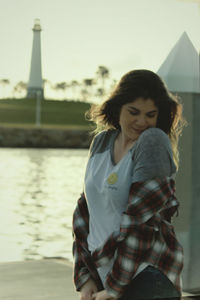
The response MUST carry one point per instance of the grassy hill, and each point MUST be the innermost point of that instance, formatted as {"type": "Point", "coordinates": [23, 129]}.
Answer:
{"type": "Point", "coordinates": [22, 112]}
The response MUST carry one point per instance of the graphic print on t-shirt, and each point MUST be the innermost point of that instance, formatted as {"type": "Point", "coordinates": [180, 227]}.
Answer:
{"type": "Point", "coordinates": [112, 178]}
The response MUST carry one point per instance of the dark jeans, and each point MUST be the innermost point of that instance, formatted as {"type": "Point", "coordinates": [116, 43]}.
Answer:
{"type": "Point", "coordinates": [151, 284]}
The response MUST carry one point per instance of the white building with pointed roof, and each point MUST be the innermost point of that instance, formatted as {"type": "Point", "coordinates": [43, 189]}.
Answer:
{"type": "Point", "coordinates": [180, 70]}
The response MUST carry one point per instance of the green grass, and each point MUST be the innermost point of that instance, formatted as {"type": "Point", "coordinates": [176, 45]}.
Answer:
{"type": "Point", "coordinates": [59, 114]}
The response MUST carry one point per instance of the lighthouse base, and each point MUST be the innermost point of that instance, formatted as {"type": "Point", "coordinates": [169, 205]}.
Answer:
{"type": "Point", "coordinates": [34, 93]}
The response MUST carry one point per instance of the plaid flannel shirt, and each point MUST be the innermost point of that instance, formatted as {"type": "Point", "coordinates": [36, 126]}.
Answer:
{"type": "Point", "coordinates": [146, 235]}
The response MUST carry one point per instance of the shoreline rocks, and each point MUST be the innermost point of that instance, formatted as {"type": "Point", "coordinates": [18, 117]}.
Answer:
{"type": "Point", "coordinates": [44, 137]}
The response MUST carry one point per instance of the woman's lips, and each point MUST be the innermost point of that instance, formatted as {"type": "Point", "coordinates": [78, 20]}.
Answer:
{"type": "Point", "coordinates": [138, 130]}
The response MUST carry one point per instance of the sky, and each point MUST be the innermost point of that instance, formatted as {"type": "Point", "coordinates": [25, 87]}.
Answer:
{"type": "Point", "coordinates": [79, 35]}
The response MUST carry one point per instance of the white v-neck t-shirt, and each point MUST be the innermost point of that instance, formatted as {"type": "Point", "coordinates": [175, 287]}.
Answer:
{"type": "Point", "coordinates": [107, 185]}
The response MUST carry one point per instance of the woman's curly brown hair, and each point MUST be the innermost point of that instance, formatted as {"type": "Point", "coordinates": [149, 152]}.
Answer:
{"type": "Point", "coordinates": [147, 85]}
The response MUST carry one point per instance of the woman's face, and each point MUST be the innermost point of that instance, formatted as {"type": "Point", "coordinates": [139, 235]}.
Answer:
{"type": "Point", "coordinates": [137, 116]}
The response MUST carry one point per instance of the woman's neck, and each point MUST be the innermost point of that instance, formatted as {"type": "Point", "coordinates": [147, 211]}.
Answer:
{"type": "Point", "coordinates": [124, 142]}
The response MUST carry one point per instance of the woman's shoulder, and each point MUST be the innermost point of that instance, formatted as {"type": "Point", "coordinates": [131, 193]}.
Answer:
{"type": "Point", "coordinates": [154, 147]}
{"type": "Point", "coordinates": [154, 133]}
{"type": "Point", "coordinates": [102, 141]}
{"type": "Point", "coordinates": [153, 138]}
{"type": "Point", "coordinates": [153, 155]}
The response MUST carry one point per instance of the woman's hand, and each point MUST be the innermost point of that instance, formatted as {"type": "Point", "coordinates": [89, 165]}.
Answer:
{"type": "Point", "coordinates": [103, 295]}
{"type": "Point", "coordinates": [88, 289]}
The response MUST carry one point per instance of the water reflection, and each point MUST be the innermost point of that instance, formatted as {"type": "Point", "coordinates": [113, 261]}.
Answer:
{"type": "Point", "coordinates": [38, 195]}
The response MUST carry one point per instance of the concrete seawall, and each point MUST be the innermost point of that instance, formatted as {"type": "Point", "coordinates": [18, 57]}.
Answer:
{"type": "Point", "coordinates": [37, 280]}
{"type": "Point", "coordinates": [44, 137]}
{"type": "Point", "coordinates": [42, 280]}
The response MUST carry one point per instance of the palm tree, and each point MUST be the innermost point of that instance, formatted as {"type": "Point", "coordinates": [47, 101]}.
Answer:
{"type": "Point", "coordinates": [62, 86]}
{"type": "Point", "coordinates": [84, 95]}
{"type": "Point", "coordinates": [102, 74]}
{"type": "Point", "coordinates": [20, 88]}
{"type": "Point", "coordinates": [46, 83]}
{"type": "Point", "coordinates": [88, 84]}
{"type": "Point", "coordinates": [74, 84]}
{"type": "Point", "coordinates": [4, 83]}
{"type": "Point", "coordinates": [113, 84]}
{"type": "Point", "coordinates": [99, 93]}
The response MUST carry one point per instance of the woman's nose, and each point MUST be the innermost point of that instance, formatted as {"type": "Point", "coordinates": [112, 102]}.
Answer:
{"type": "Point", "coordinates": [141, 121]}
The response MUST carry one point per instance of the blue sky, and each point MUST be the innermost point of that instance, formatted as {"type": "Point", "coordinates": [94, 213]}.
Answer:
{"type": "Point", "coordinates": [80, 35]}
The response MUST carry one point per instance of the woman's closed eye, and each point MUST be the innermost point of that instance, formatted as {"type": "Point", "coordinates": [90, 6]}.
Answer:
{"type": "Point", "coordinates": [151, 115]}
{"type": "Point", "coordinates": [133, 113]}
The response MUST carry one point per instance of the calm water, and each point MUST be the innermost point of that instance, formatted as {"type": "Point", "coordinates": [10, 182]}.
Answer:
{"type": "Point", "coordinates": [38, 192]}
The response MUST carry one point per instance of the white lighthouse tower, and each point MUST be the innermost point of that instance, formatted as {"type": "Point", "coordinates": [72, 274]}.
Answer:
{"type": "Point", "coordinates": [35, 84]}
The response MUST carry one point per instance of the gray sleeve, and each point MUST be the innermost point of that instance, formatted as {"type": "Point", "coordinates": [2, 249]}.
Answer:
{"type": "Point", "coordinates": [100, 142]}
{"type": "Point", "coordinates": [153, 156]}
{"type": "Point", "coordinates": [95, 143]}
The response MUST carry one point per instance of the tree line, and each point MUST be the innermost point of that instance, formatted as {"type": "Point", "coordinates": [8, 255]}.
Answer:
{"type": "Point", "coordinates": [87, 90]}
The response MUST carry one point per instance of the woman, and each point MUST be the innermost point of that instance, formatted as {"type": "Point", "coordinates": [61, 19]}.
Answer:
{"type": "Point", "coordinates": [125, 246]}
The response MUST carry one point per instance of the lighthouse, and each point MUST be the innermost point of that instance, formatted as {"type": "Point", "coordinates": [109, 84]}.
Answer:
{"type": "Point", "coordinates": [35, 84]}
